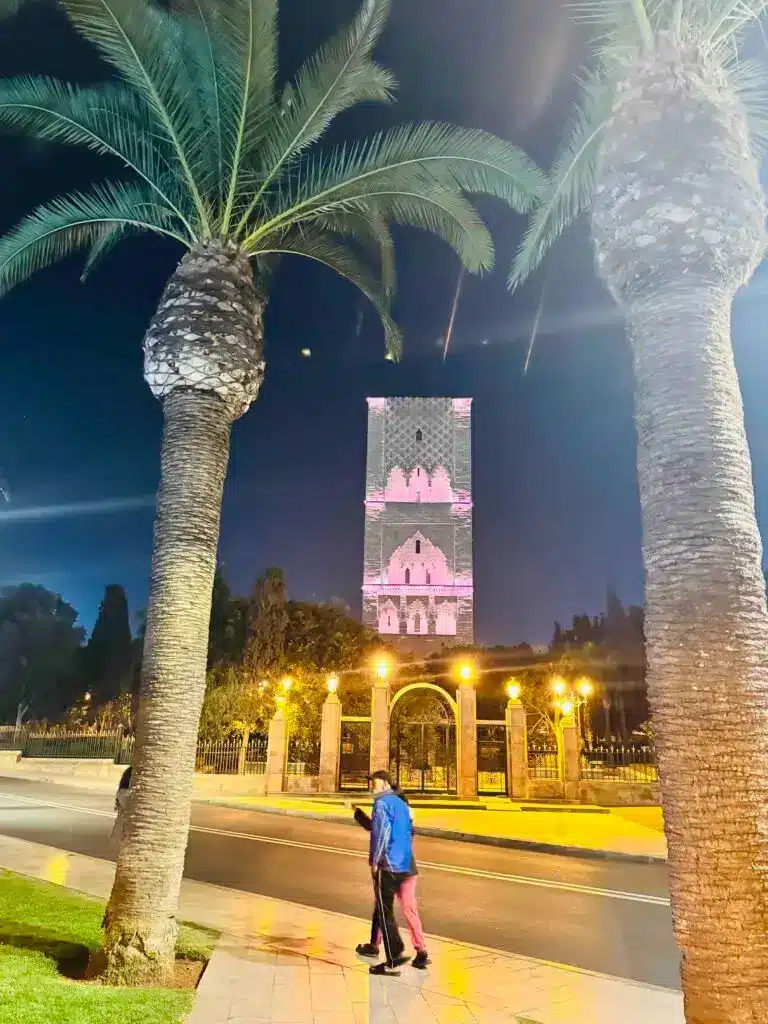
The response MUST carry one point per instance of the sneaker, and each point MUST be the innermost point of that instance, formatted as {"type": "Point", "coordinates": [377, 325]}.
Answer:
{"type": "Point", "coordinates": [421, 961]}
{"type": "Point", "coordinates": [389, 970]}
{"type": "Point", "coordinates": [367, 950]}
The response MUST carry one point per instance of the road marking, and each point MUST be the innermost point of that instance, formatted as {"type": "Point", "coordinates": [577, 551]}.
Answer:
{"type": "Point", "coordinates": [496, 876]}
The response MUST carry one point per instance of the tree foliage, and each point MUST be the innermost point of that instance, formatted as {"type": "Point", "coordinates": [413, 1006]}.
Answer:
{"type": "Point", "coordinates": [264, 654]}
{"type": "Point", "coordinates": [108, 659]}
{"type": "Point", "coordinates": [38, 640]}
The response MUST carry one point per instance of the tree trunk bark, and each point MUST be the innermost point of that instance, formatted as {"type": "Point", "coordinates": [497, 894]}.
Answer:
{"type": "Point", "coordinates": [707, 635]}
{"type": "Point", "coordinates": [141, 924]}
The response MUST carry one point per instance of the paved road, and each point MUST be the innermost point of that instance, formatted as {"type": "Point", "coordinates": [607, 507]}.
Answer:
{"type": "Point", "coordinates": [602, 916]}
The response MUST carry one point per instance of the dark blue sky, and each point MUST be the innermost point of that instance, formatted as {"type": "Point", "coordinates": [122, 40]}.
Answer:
{"type": "Point", "coordinates": [555, 492]}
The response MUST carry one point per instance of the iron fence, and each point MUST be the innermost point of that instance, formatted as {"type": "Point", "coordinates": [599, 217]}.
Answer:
{"type": "Point", "coordinates": [355, 755]}
{"type": "Point", "coordinates": [491, 759]}
{"type": "Point", "coordinates": [12, 738]}
{"type": "Point", "coordinates": [256, 756]}
{"type": "Point", "coordinates": [222, 758]}
{"type": "Point", "coordinates": [303, 757]}
{"type": "Point", "coordinates": [543, 761]}
{"type": "Point", "coordinates": [618, 763]}
{"type": "Point", "coordinates": [104, 746]}
{"type": "Point", "coordinates": [218, 758]}
{"type": "Point", "coordinates": [124, 755]}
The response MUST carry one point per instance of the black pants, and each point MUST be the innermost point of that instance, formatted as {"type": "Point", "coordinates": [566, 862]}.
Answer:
{"type": "Point", "coordinates": [386, 885]}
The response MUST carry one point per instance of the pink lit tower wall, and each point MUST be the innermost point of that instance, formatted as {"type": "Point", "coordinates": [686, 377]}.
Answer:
{"type": "Point", "coordinates": [417, 579]}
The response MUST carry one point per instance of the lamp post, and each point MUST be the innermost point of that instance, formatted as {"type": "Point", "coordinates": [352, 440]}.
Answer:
{"type": "Point", "coordinates": [568, 703]}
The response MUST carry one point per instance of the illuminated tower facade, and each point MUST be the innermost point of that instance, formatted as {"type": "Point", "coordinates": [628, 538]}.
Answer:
{"type": "Point", "coordinates": [417, 578]}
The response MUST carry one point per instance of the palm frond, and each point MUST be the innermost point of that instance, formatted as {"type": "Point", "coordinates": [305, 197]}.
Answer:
{"type": "Point", "coordinates": [233, 46]}
{"type": "Point", "coordinates": [340, 75]}
{"type": "Point", "coordinates": [420, 201]}
{"type": "Point", "coordinates": [571, 180]}
{"type": "Point", "coordinates": [143, 43]}
{"type": "Point", "coordinates": [315, 244]}
{"type": "Point", "coordinates": [408, 159]}
{"type": "Point", "coordinates": [106, 239]}
{"type": "Point", "coordinates": [720, 22]}
{"type": "Point", "coordinates": [59, 228]}
{"type": "Point", "coordinates": [110, 119]}
{"type": "Point", "coordinates": [371, 232]}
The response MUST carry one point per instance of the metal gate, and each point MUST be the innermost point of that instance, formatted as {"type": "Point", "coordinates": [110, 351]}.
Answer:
{"type": "Point", "coordinates": [423, 756]}
{"type": "Point", "coordinates": [492, 759]}
{"type": "Point", "coordinates": [355, 754]}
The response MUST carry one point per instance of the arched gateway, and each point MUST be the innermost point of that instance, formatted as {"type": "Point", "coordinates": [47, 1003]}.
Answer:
{"type": "Point", "coordinates": [422, 739]}
{"type": "Point", "coordinates": [425, 737]}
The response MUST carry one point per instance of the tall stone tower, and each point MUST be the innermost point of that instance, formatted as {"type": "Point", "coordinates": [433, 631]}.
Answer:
{"type": "Point", "coordinates": [417, 579]}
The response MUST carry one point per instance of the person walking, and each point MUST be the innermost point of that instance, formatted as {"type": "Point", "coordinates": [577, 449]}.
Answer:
{"type": "Point", "coordinates": [390, 858]}
{"type": "Point", "coordinates": [406, 896]}
{"type": "Point", "coordinates": [121, 804]}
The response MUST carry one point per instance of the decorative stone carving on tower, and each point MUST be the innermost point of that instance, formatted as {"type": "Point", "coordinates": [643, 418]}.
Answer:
{"type": "Point", "coordinates": [417, 581]}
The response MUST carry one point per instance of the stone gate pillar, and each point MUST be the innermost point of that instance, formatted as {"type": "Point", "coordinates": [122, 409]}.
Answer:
{"type": "Point", "coordinates": [466, 736]}
{"type": "Point", "coordinates": [277, 753]}
{"type": "Point", "coordinates": [330, 744]}
{"type": "Point", "coordinates": [569, 757]}
{"type": "Point", "coordinates": [380, 725]}
{"type": "Point", "coordinates": [517, 750]}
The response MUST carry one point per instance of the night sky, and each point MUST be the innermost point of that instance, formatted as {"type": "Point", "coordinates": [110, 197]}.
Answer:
{"type": "Point", "coordinates": [556, 508]}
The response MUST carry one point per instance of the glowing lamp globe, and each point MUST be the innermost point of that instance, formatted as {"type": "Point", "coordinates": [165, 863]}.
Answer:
{"type": "Point", "coordinates": [586, 687]}
{"type": "Point", "coordinates": [558, 686]}
{"type": "Point", "coordinates": [382, 668]}
{"type": "Point", "coordinates": [332, 684]}
{"type": "Point", "coordinates": [287, 684]}
{"type": "Point", "coordinates": [567, 707]}
{"type": "Point", "coordinates": [513, 689]}
{"type": "Point", "coordinates": [465, 672]}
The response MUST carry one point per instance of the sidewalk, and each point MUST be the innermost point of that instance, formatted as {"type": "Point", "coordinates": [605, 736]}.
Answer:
{"type": "Point", "coordinates": [281, 963]}
{"type": "Point", "coordinates": [635, 833]}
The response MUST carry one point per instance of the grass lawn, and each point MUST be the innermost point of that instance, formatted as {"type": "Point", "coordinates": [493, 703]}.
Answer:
{"type": "Point", "coordinates": [46, 933]}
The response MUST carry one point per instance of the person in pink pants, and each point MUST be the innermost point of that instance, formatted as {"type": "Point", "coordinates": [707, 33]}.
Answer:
{"type": "Point", "coordinates": [406, 896]}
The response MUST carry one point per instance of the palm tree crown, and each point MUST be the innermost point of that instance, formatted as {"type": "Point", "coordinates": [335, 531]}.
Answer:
{"type": "Point", "coordinates": [219, 152]}
{"type": "Point", "coordinates": [629, 31]}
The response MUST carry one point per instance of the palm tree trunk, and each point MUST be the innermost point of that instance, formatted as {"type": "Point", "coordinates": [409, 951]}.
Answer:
{"type": "Point", "coordinates": [203, 360]}
{"type": "Point", "coordinates": [707, 636]}
{"type": "Point", "coordinates": [141, 918]}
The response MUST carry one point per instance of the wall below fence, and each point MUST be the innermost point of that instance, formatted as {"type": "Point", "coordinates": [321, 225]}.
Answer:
{"type": "Point", "coordinates": [77, 771]}
{"type": "Point", "coordinates": [616, 794]}
{"type": "Point", "coordinates": [230, 785]}
{"type": "Point", "coordinates": [545, 789]}
{"type": "Point", "coordinates": [302, 783]}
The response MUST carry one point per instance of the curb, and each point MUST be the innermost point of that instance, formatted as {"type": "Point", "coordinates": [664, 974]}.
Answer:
{"type": "Point", "coordinates": [500, 842]}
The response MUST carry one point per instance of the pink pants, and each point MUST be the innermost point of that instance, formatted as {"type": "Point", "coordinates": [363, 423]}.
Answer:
{"type": "Point", "coordinates": [407, 898]}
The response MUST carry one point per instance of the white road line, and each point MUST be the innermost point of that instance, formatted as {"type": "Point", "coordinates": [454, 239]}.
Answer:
{"type": "Point", "coordinates": [496, 876]}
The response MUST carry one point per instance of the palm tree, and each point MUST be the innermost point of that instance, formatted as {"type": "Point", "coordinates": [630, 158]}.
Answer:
{"type": "Point", "coordinates": [227, 165]}
{"type": "Point", "coordinates": [663, 152]}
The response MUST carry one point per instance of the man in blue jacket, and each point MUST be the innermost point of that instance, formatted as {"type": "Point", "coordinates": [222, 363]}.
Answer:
{"type": "Point", "coordinates": [391, 860]}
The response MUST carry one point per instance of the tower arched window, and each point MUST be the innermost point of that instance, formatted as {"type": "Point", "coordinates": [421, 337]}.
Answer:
{"type": "Point", "coordinates": [407, 577]}
{"type": "Point", "coordinates": [429, 578]}
{"type": "Point", "coordinates": [418, 547]}
{"type": "Point", "coordinates": [417, 623]}
{"type": "Point", "coordinates": [419, 436]}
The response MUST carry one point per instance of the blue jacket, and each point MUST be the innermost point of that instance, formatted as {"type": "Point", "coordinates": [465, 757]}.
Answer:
{"type": "Point", "coordinates": [391, 835]}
